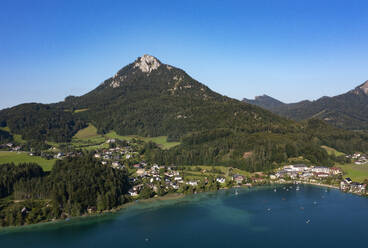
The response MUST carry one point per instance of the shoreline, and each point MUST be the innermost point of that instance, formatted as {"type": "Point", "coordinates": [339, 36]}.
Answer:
{"type": "Point", "coordinates": [168, 197]}
{"type": "Point", "coordinates": [323, 185]}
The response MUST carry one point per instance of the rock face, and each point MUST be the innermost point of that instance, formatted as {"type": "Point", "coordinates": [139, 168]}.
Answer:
{"type": "Point", "coordinates": [147, 63]}
{"type": "Point", "coordinates": [364, 87]}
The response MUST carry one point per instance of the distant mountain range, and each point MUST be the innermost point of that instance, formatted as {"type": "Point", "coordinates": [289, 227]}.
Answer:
{"type": "Point", "coordinates": [348, 111]}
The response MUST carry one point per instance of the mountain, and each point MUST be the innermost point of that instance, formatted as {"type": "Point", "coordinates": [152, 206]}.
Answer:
{"type": "Point", "coordinates": [348, 111]}
{"type": "Point", "coordinates": [265, 101]}
{"type": "Point", "coordinates": [150, 98]}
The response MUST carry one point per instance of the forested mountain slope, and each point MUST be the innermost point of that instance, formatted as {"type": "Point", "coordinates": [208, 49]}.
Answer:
{"type": "Point", "coordinates": [349, 110]}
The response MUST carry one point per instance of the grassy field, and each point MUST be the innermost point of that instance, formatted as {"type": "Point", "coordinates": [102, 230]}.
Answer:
{"type": "Point", "coordinates": [356, 172]}
{"type": "Point", "coordinates": [86, 133]}
{"type": "Point", "coordinates": [80, 110]}
{"type": "Point", "coordinates": [7, 129]}
{"type": "Point", "coordinates": [194, 175]}
{"type": "Point", "coordinates": [23, 157]}
{"type": "Point", "coordinates": [299, 160]}
{"type": "Point", "coordinates": [17, 137]}
{"type": "Point", "coordinates": [160, 140]}
{"type": "Point", "coordinates": [331, 151]}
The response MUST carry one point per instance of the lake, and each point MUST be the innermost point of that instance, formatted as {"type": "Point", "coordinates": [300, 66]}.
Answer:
{"type": "Point", "coordinates": [256, 217]}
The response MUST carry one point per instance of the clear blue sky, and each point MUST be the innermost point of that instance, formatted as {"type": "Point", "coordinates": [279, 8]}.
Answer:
{"type": "Point", "coordinates": [292, 50]}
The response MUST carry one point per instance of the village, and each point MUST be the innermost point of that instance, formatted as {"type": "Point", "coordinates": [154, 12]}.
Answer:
{"type": "Point", "coordinates": [160, 179]}
{"type": "Point", "coordinates": [301, 173]}
{"type": "Point", "coordinates": [169, 179]}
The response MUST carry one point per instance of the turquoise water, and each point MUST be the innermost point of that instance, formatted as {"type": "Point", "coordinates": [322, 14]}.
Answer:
{"type": "Point", "coordinates": [258, 217]}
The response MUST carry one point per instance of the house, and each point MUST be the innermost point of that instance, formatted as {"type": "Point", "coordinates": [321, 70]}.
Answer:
{"type": "Point", "coordinates": [344, 185]}
{"type": "Point", "coordinates": [306, 175]}
{"type": "Point", "coordinates": [321, 174]}
{"type": "Point", "coordinates": [220, 180]}
{"type": "Point", "coordinates": [110, 141]}
{"type": "Point", "coordinates": [348, 180]}
{"type": "Point", "coordinates": [192, 183]}
{"type": "Point", "coordinates": [281, 173]}
{"type": "Point", "coordinates": [137, 166]}
{"type": "Point", "coordinates": [320, 169]}
{"type": "Point", "coordinates": [59, 155]}
{"type": "Point", "coordinates": [133, 192]}
{"type": "Point", "coordinates": [257, 179]}
{"type": "Point", "coordinates": [97, 155]}
{"type": "Point", "coordinates": [298, 167]}
{"type": "Point", "coordinates": [356, 155]}
{"type": "Point", "coordinates": [141, 172]}
{"type": "Point", "coordinates": [273, 177]}
{"type": "Point", "coordinates": [336, 171]}
{"type": "Point", "coordinates": [177, 178]}
{"type": "Point", "coordinates": [238, 178]}
{"type": "Point", "coordinates": [115, 165]}
{"type": "Point", "coordinates": [358, 188]}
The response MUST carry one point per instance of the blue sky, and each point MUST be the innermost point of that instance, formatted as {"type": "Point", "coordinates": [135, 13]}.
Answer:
{"type": "Point", "coordinates": [292, 50]}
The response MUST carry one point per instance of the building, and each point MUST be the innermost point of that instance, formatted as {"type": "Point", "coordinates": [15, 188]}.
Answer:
{"type": "Point", "coordinates": [238, 179]}
{"type": "Point", "coordinates": [220, 180]}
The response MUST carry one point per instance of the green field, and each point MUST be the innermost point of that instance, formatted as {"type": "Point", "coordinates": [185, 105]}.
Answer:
{"type": "Point", "coordinates": [197, 175]}
{"type": "Point", "coordinates": [6, 129]}
{"type": "Point", "coordinates": [87, 133]}
{"type": "Point", "coordinates": [160, 140]}
{"type": "Point", "coordinates": [23, 157]}
{"type": "Point", "coordinates": [356, 172]}
{"type": "Point", "coordinates": [331, 151]}
{"type": "Point", "coordinates": [80, 110]}
{"type": "Point", "coordinates": [17, 137]}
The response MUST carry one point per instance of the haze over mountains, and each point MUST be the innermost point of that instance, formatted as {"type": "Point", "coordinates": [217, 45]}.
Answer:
{"type": "Point", "coordinates": [150, 98]}
{"type": "Point", "coordinates": [349, 110]}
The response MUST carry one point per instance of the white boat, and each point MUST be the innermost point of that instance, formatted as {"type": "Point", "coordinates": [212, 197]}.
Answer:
{"type": "Point", "coordinates": [307, 221]}
{"type": "Point", "coordinates": [297, 188]}
{"type": "Point", "coordinates": [236, 192]}
{"type": "Point", "coordinates": [274, 190]}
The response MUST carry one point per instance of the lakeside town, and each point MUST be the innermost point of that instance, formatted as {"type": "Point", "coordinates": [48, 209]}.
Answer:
{"type": "Point", "coordinates": [154, 179]}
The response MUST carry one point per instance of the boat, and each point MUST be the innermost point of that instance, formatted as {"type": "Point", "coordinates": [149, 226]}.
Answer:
{"type": "Point", "coordinates": [236, 192]}
{"type": "Point", "coordinates": [297, 188]}
{"type": "Point", "coordinates": [274, 190]}
{"type": "Point", "coordinates": [307, 221]}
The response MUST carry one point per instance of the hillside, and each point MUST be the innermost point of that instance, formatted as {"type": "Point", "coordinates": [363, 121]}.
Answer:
{"type": "Point", "coordinates": [265, 101]}
{"type": "Point", "coordinates": [348, 111]}
{"type": "Point", "coordinates": [148, 98]}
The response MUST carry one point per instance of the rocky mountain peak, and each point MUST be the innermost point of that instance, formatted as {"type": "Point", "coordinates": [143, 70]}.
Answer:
{"type": "Point", "coordinates": [147, 63]}
{"type": "Point", "coordinates": [364, 87]}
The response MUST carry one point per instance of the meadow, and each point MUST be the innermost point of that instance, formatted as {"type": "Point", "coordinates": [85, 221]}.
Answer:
{"type": "Point", "coordinates": [161, 141]}
{"type": "Point", "coordinates": [23, 157]}
{"type": "Point", "coordinates": [357, 173]}
{"type": "Point", "coordinates": [331, 151]}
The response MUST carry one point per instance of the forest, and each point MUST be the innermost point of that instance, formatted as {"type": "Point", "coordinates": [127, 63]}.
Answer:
{"type": "Point", "coordinates": [73, 187]}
